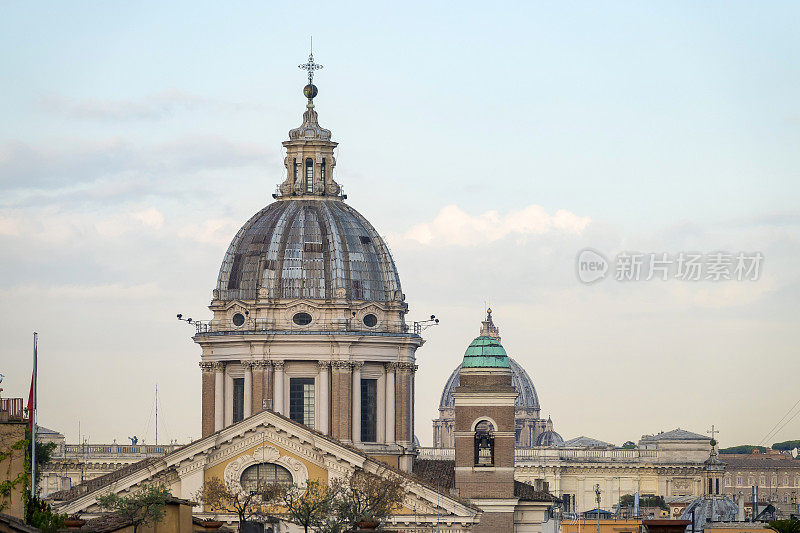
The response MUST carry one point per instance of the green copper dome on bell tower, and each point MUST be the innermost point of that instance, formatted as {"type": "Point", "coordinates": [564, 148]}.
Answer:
{"type": "Point", "coordinates": [486, 351]}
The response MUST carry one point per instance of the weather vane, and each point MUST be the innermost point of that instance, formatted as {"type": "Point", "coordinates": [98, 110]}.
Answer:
{"type": "Point", "coordinates": [310, 66]}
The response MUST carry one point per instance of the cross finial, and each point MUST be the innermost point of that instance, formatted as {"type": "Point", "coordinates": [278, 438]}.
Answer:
{"type": "Point", "coordinates": [713, 432]}
{"type": "Point", "coordinates": [310, 66]}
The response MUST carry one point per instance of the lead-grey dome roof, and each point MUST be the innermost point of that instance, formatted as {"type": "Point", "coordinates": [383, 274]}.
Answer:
{"type": "Point", "coordinates": [549, 438]}
{"type": "Point", "coordinates": [310, 248]}
{"type": "Point", "coordinates": [519, 379]}
{"type": "Point", "coordinates": [716, 508]}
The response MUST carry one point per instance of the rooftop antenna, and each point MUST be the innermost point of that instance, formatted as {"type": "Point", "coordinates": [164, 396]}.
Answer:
{"type": "Point", "coordinates": [156, 414]}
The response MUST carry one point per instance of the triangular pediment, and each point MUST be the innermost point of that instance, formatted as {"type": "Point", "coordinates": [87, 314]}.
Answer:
{"type": "Point", "coordinates": [263, 437]}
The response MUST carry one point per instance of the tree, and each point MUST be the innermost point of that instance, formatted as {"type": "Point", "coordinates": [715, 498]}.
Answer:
{"type": "Point", "coordinates": [630, 445]}
{"type": "Point", "coordinates": [785, 526]}
{"type": "Point", "coordinates": [142, 507]}
{"type": "Point", "coordinates": [786, 445]}
{"type": "Point", "coordinates": [219, 497]}
{"type": "Point", "coordinates": [39, 514]}
{"type": "Point", "coordinates": [363, 496]}
{"type": "Point", "coordinates": [310, 507]}
{"type": "Point", "coordinates": [744, 448]}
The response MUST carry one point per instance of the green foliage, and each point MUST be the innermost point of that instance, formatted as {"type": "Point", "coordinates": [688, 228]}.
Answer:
{"type": "Point", "coordinates": [44, 451]}
{"type": "Point", "coordinates": [645, 500]}
{"type": "Point", "coordinates": [786, 445]}
{"type": "Point", "coordinates": [785, 526]}
{"type": "Point", "coordinates": [39, 514]}
{"type": "Point", "coordinates": [744, 448]}
{"type": "Point", "coordinates": [8, 486]}
{"type": "Point", "coordinates": [144, 506]}
{"type": "Point", "coordinates": [630, 445]}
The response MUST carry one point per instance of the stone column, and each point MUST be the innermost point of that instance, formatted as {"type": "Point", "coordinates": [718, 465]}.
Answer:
{"type": "Point", "coordinates": [208, 396]}
{"type": "Point", "coordinates": [324, 397]}
{"type": "Point", "coordinates": [269, 380]}
{"type": "Point", "coordinates": [356, 403]}
{"type": "Point", "coordinates": [258, 386]}
{"type": "Point", "coordinates": [248, 388]}
{"type": "Point", "coordinates": [228, 396]}
{"type": "Point", "coordinates": [403, 413]}
{"type": "Point", "coordinates": [219, 395]}
{"type": "Point", "coordinates": [277, 400]}
{"type": "Point", "coordinates": [340, 400]}
{"type": "Point", "coordinates": [390, 402]}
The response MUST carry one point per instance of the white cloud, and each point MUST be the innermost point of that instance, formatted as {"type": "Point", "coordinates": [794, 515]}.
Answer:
{"type": "Point", "coordinates": [151, 217]}
{"type": "Point", "coordinates": [156, 106]}
{"type": "Point", "coordinates": [217, 231]}
{"type": "Point", "coordinates": [453, 226]}
{"type": "Point", "coordinates": [9, 226]}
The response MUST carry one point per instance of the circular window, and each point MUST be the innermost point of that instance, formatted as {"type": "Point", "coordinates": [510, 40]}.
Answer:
{"type": "Point", "coordinates": [302, 319]}
{"type": "Point", "coordinates": [259, 476]}
{"type": "Point", "coordinates": [238, 319]}
{"type": "Point", "coordinates": [370, 320]}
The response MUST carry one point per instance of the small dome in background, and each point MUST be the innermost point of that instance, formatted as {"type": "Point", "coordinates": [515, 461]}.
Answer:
{"type": "Point", "coordinates": [710, 509]}
{"type": "Point", "coordinates": [520, 380]}
{"type": "Point", "coordinates": [549, 438]}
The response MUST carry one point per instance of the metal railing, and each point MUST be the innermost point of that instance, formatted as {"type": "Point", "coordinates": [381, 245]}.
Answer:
{"type": "Point", "coordinates": [265, 326]}
{"type": "Point", "coordinates": [110, 451]}
{"type": "Point", "coordinates": [12, 409]}
{"type": "Point", "coordinates": [555, 454]}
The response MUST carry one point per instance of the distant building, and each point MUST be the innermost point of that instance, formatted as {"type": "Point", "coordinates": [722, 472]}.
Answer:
{"type": "Point", "coordinates": [777, 476]}
{"type": "Point", "coordinates": [72, 464]}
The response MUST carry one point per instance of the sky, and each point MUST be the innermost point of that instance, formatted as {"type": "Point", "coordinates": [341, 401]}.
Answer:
{"type": "Point", "coordinates": [489, 143]}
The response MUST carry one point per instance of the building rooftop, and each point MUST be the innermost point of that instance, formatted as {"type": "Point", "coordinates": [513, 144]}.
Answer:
{"type": "Point", "coordinates": [441, 474]}
{"type": "Point", "coordinates": [586, 442]}
{"type": "Point", "coordinates": [676, 434]}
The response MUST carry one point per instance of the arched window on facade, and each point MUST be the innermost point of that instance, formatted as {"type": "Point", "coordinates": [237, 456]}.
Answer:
{"type": "Point", "coordinates": [484, 443]}
{"type": "Point", "coordinates": [309, 175]}
{"type": "Point", "coordinates": [259, 476]}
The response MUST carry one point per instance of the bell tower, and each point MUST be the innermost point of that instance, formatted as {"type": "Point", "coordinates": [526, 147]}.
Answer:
{"type": "Point", "coordinates": [484, 431]}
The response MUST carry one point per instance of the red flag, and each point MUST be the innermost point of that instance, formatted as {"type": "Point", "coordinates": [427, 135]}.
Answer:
{"type": "Point", "coordinates": [32, 393]}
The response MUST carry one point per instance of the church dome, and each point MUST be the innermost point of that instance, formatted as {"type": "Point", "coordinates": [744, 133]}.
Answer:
{"type": "Point", "coordinates": [549, 438]}
{"type": "Point", "coordinates": [519, 379]}
{"type": "Point", "coordinates": [710, 509]}
{"type": "Point", "coordinates": [313, 247]}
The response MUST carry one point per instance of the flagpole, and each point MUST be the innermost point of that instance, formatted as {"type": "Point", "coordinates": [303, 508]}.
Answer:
{"type": "Point", "coordinates": [32, 414]}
